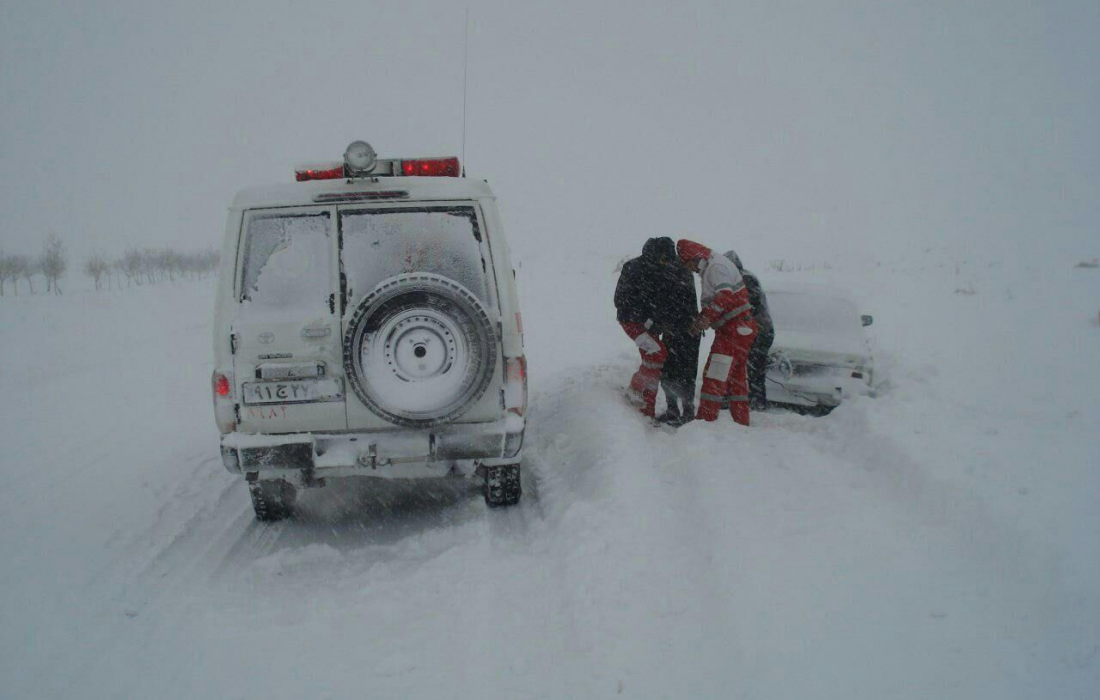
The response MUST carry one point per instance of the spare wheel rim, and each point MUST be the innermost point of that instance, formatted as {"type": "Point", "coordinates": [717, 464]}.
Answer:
{"type": "Point", "coordinates": [420, 364]}
{"type": "Point", "coordinates": [420, 345]}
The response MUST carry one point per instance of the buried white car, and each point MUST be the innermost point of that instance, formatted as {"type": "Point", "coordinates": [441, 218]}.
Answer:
{"type": "Point", "coordinates": [821, 353]}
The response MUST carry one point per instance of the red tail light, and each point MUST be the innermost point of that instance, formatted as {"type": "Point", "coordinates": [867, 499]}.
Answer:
{"type": "Point", "coordinates": [225, 412]}
{"type": "Point", "coordinates": [325, 172]}
{"type": "Point", "coordinates": [431, 167]}
{"type": "Point", "coordinates": [222, 388]}
{"type": "Point", "coordinates": [515, 385]}
{"type": "Point", "coordinates": [517, 369]}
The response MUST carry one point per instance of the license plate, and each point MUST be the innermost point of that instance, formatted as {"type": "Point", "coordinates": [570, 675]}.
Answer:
{"type": "Point", "coordinates": [292, 392]}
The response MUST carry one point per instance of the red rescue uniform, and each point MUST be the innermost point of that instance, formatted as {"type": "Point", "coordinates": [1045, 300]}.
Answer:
{"type": "Point", "coordinates": [727, 310]}
{"type": "Point", "coordinates": [643, 385]}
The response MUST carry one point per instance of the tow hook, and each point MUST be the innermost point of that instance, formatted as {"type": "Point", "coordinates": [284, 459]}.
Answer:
{"type": "Point", "coordinates": [370, 457]}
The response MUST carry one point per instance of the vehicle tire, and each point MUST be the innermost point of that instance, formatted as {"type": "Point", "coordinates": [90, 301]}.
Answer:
{"type": "Point", "coordinates": [502, 485]}
{"type": "Point", "coordinates": [272, 500]}
{"type": "Point", "coordinates": [815, 411]}
{"type": "Point", "coordinates": [420, 350]}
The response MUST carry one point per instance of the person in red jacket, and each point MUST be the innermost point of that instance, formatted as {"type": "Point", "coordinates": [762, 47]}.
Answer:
{"type": "Point", "coordinates": [726, 310]}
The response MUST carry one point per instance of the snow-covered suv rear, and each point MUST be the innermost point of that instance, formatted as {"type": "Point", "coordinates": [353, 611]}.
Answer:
{"type": "Point", "coordinates": [367, 324]}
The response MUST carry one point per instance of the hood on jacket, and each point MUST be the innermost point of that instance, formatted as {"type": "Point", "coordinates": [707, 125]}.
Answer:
{"type": "Point", "coordinates": [690, 251]}
{"type": "Point", "coordinates": [735, 259]}
{"type": "Point", "coordinates": [658, 251]}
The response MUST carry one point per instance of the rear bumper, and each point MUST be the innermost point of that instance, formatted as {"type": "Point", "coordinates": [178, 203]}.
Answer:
{"type": "Point", "coordinates": [801, 396]}
{"type": "Point", "coordinates": [397, 454]}
{"type": "Point", "coordinates": [827, 389]}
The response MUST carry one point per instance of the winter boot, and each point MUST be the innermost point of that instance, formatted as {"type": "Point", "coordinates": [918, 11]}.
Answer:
{"type": "Point", "coordinates": [672, 411]}
{"type": "Point", "coordinates": [687, 415]}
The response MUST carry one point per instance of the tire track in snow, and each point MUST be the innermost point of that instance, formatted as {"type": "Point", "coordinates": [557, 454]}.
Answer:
{"type": "Point", "coordinates": [151, 568]}
{"type": "Point", "coordinates": [623, 538]}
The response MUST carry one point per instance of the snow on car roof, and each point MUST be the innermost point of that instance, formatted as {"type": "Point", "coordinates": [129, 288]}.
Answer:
{"type": "Point", "coordinates": [419, 188]}
{"type": "Point", "coordinates": [814, 319]}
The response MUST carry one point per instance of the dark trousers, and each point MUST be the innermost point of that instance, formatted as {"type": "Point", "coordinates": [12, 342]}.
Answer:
{"type": "Point", "coordinates": [680, 370]}
{"type": "Point", "coordinates": [758, 367]}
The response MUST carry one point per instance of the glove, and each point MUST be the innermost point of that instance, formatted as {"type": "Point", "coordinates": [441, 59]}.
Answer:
{"type": "Point", "coordinates": [647, 344]}
{"type": "Point", "coordinates": [699, 325]}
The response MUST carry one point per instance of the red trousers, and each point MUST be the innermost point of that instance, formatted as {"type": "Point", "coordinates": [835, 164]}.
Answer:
{"type": "Point", "coordinates": [643, 385]}
{"type": "Point", "coordinates": [727, 372]}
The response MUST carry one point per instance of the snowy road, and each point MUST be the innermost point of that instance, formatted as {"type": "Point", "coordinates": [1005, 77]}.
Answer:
{"type": "Point", "coordinates": [939, 541]}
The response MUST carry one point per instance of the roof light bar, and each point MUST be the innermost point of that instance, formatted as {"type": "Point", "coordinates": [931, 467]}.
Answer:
{"type": "Point", "coordinates": [431, 167]}
{"type": "Point", "coordinates": [322, 171]}
{"type": "Point", "coordinates": [359, 159]}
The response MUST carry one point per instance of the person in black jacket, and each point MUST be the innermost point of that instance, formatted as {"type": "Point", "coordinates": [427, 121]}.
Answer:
{"type": "Point", "coordinates": [765, 335]}
{"type": "Point", "coordinates": [674, 316]}
{"type": "Point", "coordinates": [655, 302]}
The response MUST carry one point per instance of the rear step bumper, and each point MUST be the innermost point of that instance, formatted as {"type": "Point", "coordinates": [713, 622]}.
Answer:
{"type": "Point", "coordinates": [399, 454]}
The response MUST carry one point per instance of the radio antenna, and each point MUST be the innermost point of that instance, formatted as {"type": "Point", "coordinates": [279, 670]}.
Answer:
{"type": "Point", "coordinates": [465, 54]}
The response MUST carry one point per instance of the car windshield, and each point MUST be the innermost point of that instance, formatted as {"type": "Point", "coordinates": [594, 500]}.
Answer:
{"type": "Point", "coordinates": [382, 243]}
{"type": "Point", "coordinates": [812, 313]}
{"type": "Point", "coordinates": [287, 262]}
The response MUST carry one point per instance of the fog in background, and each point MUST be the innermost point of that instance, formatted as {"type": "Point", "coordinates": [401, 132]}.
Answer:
{"type": "Point", "coordinates": [813, 131]}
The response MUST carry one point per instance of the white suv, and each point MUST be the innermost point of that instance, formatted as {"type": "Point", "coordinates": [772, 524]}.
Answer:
{"type": "Point", "coordinates": [367, 324]}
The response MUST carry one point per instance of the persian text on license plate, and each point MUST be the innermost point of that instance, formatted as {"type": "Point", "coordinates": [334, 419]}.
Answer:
{"type": "Point", "coordinates": [291, 392]}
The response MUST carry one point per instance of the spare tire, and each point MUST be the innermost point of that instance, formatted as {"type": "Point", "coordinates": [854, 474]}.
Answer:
{"type": "Point", "coordinates": [420, 350]}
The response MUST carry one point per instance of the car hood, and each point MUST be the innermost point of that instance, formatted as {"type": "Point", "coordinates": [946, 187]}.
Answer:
{"type": "Point", "coordinates": [821, 348]}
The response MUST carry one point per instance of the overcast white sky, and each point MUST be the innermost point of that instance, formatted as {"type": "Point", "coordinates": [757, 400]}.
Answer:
{"type": "Point", "coordinates": [806, 130]}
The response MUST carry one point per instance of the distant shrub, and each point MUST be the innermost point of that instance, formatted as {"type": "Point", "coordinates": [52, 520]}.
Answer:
{"type": "Point", "coordinates": [136, 266]}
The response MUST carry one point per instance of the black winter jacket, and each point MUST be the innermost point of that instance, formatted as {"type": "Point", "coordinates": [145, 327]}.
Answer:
{"type": "Point", "coordinates": [650, 291]}
{"type": "Point", "coordinates": [759, 303]}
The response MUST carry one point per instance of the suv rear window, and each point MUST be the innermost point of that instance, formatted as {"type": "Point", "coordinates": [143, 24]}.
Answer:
{"type": "Point", "coordinates": [287, 262]}
{"type": "Point", "coordinates": [381, 243]}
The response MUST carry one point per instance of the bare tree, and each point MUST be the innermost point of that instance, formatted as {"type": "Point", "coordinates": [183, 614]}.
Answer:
{"type": "Point", "coordinates": [150, 264]}
{"type": "Point", "coordinates": [131, 265]}
{"type": "Point", "coordinates": [54, 260]}
{"type": "Point", "coordinates": [95, 267]}
{"type": "Point", "coordinates": [137, 266]}
{"type": "Point", "coordinates": [19, 265]}
{"type": "Point", "coordinates": [6, 271]}
{"type": "Point", "coordinates": [113, 269]}
{"type": "Point", "coordinates": [173, 263]}
{"type": "Point", "coordinates": [198, 264]}
{"type": "Point", "coordinates": [206, 261]}
{"type": "Point", "coordinates": [31, 269]}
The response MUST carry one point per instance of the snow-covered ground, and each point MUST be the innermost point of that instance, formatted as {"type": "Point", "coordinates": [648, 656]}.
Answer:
{"type": "Point", "coordinates": [941, 540]}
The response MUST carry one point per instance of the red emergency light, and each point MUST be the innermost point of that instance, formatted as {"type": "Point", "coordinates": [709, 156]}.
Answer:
{"type": "Point", "coordinates": [359, 162]}
{"type": "Point", "coordinates": [333, 171]}
{"type": "Point", "coordinates": [431, 167]}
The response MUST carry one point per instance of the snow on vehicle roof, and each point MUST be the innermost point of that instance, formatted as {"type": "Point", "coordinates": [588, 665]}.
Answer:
{"type": "Point", "coordinates": [303, 193]}
{"type": "Point", "coordinates": [814, 319]}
